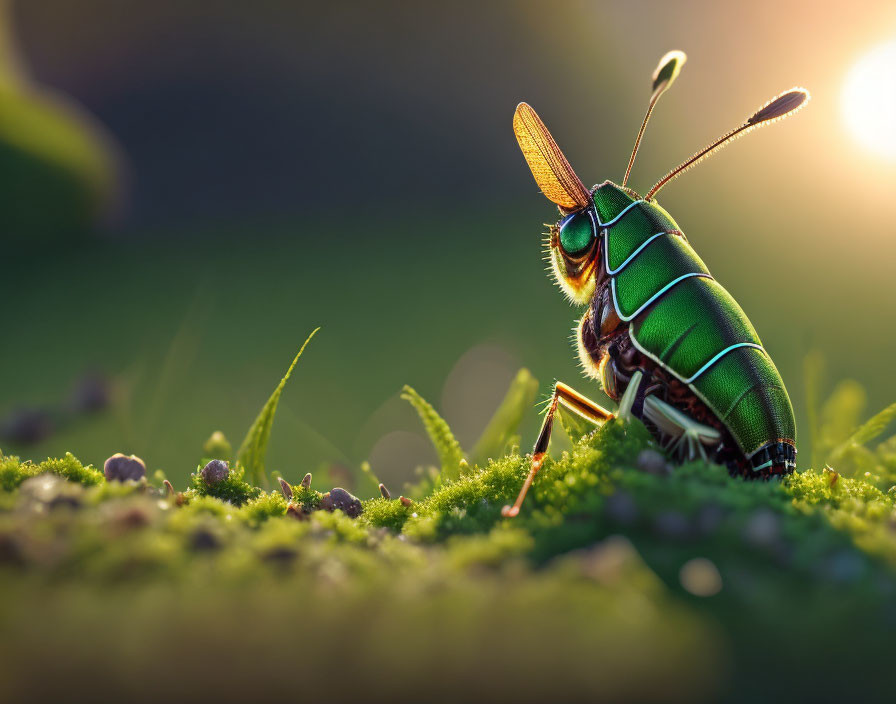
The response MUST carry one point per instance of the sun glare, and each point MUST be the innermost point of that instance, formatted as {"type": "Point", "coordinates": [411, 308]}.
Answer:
{"type": "Point", "coordinates": [869, 100]}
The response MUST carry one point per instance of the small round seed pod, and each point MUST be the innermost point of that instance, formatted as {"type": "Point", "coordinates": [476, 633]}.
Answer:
{"type": "Point", "coordinates": [214, 472]}
{"type": "Point", "coordinates": [121, 468]}
{"type": "Point", "coordinates": [405, 501]}
{"type": "Point", "coordinates": [344, 501]}
{"type": "Point", "coordinates": [285, 488]}
{"type": "Point", "coordinates": [385, 492]}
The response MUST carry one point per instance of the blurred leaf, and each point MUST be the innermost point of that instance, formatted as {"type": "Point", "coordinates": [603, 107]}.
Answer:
{"type": "Point", "coordinates": [255, 446]}
{"type": "Point", "coordinates": [517, 402]}
{"type": "Point", "coordinates": [868, 430]}
{"type": "Point", "coordinates": [855, 461]}
{"type": "Point", "coordinates": [887, 448]}
{"type": "Point", "coordinates": [449, 450]}
{"type": "Point", "coordinates": [840, 415]}
{"type": "Point", "coordinates": [58, 167]}
{"type": "Point", "coordinates": [874, 426]}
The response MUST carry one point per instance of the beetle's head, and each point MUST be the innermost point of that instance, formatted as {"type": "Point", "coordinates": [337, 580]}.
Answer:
{"type": "Point", "coordinates": [573, 248]}
{"type": "Point", "coordinates": [574, 242]}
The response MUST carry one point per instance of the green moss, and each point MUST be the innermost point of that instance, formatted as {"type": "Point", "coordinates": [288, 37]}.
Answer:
{"type": "Point", "coordinates": [203, 504]}
{"type": "Point", "coordinates": [572, 483]}
{"type": "Point", "coordinates": [386, 513]}
{"type": "Point", "coordinates": [264, 507]}
{"type": "Point", "coordinates": [13, 471]}
{"type": "Point", "coordinates": [494, 549]}
{"type": "Point", "coordinates": [308, 498]}
{"type": "Point", "coordinates": [339, 527]}
{"type": "Point", "coordinates": [232, 488]}
{"type": "Point", "coordinates": [802, 562]}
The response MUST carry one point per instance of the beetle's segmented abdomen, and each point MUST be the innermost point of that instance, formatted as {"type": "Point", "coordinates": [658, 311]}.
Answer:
{"type": "Point", "coordinates": [656, 271]}
{"type": "Point", "coordinates": [633, 231]}
{"type": "Point", "coordinates": [745, 391]}
{"type": "Point", "coordinates": [690, 325]}
{"type": "Point", "coordinates": [700, 333]}
{"type": "Point", "coordinates": [774, 458]}
{"type": "Point", "coordinates": [695, 321]}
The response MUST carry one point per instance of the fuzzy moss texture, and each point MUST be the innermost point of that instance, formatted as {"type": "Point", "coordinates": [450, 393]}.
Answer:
{"type": "Point", "coordinates": [619, 580]}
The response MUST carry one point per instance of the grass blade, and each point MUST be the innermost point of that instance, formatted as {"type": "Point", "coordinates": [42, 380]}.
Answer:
{"type": "Point", "coordinates": [869, 430]}
{"type": "Point", "coordinates": [449, 450]}
{"type": "Point", "coordinates": [872, 428]}
{"type": "Point", "coordinates": [517, 402]}
{"type": "Point", "coordinates": [255, 446]}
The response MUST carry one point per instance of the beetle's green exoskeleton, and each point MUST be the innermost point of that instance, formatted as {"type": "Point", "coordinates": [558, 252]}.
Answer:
{"type": "Point", "coordinates": [664, 338]}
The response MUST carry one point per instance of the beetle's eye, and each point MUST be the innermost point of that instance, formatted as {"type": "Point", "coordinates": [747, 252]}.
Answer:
{"type": "Point", "coordinates": [577, 234]}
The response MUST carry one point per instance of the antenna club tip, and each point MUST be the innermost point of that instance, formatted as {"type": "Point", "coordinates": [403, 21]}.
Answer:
{"type": "Point", "coordinates": [781, 105]}
{"type": "Point", "coordinates": [804, 92]}
{"type": "Point", "coordinates": [667, 71]}
{"type": "Point", "coordinates": [676, 54]}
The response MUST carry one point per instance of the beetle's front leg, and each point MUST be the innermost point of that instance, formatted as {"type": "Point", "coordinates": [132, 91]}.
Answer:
{"type": "Point", "coordinates": [573, 401]}
{"type": "Point", "coordinates": [585, 408]}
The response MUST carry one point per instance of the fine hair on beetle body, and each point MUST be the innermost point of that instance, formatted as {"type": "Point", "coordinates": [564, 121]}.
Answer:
{"type": "Point", "coordinates": [664, 339]}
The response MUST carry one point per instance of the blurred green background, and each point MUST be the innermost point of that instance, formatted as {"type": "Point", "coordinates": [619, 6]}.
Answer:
{"type": "Point", "coordinates": [220, 179]}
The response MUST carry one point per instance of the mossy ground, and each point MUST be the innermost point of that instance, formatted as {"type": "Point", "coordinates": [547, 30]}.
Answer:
{"type": "Point", "coordinates": [613, 584]}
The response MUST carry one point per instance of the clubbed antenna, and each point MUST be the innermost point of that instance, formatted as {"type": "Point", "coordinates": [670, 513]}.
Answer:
{"type": "Point", "coordinates": [785, 104]}
{"type": "Point", "coordinates": [666, 72]}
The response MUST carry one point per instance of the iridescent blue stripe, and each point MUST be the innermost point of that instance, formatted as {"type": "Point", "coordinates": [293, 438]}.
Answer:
{"type": "Point", "coordinates": [634, 254]}
{"type": "Point", "coordinates": [721, 354]}
{"type": "Point", "coordinates": [654, 297]}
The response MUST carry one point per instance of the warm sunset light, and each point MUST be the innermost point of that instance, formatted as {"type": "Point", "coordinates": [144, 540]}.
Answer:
{"type": "Point", "coordinates": [398, 351]}
{"type": "Point", "coordinates": [869, 100]}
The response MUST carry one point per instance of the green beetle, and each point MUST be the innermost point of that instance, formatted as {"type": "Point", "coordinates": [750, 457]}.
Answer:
{"type": "Point", "coordinates": [663, 337]}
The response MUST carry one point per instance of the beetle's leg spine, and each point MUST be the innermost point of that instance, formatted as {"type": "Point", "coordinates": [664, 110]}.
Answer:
{"type": "Point", "coordinates": [575, 402]}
